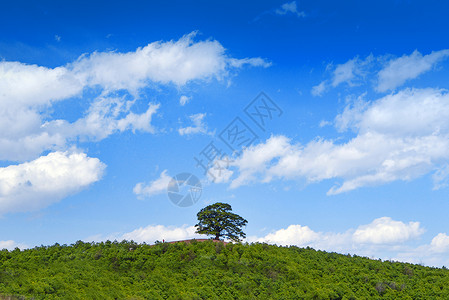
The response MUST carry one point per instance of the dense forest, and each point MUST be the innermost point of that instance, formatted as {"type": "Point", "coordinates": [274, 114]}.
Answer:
{"type": "Point", "coordinates": [207, 270]}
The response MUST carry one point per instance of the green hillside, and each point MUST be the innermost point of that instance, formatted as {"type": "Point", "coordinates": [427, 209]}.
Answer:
{"type": "Point", "coordinates": [207, 270]}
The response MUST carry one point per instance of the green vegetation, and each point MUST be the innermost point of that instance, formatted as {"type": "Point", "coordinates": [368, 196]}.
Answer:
{"type": "Point", "coordinates": [218, 220]}
{"type": "Point", "coordinates": [207, 270]}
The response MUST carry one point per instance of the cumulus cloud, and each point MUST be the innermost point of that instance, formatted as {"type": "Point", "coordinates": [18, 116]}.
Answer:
{"type": "Point", "coordinates": [104, 117]}
{"type": "Point", "coordinates": [290, 8]}
{"type": "Point", "coordinates": [397, 71]}
{"type": "Point", "coordinates": [152, 233]}
{"type": "Point", "coordinates": [176, 62]}
{"type": "Point", "coordinates": [28, 92]}
{"type": "Point", "coordinates": [34, 185]}
{"type": "Point", "coordinates": [292, 235]}
{"type": "Point", "coordinates": [11, 245]}
{"type": "Point", "coordinates": [35, 135]}
{"type": "Point", "coordinates": [401, 136]}
{"type": "Point", "coordinates": [155, 187]}
{"type": "Point", "coordinates": [198, 126]}
{"type": "Point", "coordinates": [381, 231]}
{"type": "Point", "coordinates": [257, 159]}
{"type": "Point", "coordinates": [435, 253]}
{"type": "Point", "coordinates": [387, 231]}
{"type": "Point", "coordinates": [383, 238]}
{"type": "Point", "coordinates": [440, 243]}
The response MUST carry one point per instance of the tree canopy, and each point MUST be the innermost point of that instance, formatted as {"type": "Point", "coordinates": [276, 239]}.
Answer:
{"type": "Point", "coordinates": [218, 220]}
{"type": "Point", "coordinates": [207, 270]}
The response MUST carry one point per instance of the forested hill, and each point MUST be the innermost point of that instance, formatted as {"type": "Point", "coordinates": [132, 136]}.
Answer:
{"type": "Point", "coordinates": [207, 270]}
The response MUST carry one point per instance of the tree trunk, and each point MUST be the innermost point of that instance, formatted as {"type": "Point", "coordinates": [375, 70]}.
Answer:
{"type": "Point", "coordinates": [217, 237]}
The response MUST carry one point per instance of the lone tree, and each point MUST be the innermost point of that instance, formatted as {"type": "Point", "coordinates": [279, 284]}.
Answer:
{"type": "Point", "coordinates": [218, 220]}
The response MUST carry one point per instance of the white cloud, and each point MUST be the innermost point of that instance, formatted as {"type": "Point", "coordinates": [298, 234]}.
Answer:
{"type": "Point", "coordinates": [292, 235]}
{"type": "Point", "coordinates": [399, 70]}
{"type": "Point", "coordinates": [318, 90]}
{"type": "Point", "coordinates": [28, 92]}
{"type": "Point", "coordinates": [219, 172]}
{"type": "Point", "coordinates": [352, 72]}
{"type": "Point", "coordinates": [11, 245]}
{"type": "Point", "coordinates": [183, 100]}
{"type": "Point", "coordinates": [387, 75]}
{"type": "Point", "coordinates": [258, 158]}
{"type": "Point", "coordinates": [344, 72]}
{"type": "Point", "coordinates": [140, 122]}
{"type": "Point", "coordinates": [155, 187]}
{"type": "Point", "coordinates": [175, 62]}
{"type": "Point", "coordinates": [398, 137]}
{"type": "Point", "coordinates": [255, 62]}
{"type": "Point", "coordinates": [441, 177]}
{"type": "Point", "coordinates": [152, 233]}
{"type": "Point", "coordinates": [34, 185]}
{"type": "Point", "coordinates": [387, 231]}
{"type": "Point", "coordinates": [32, 85]}
{"type": "Point", "coordinates": [290, 7]}
{"type": "Point", "coordinates": [440, 243]}
{"type": "Point", "coordinates": [382, 231]}
{"type": "Point", "coordinates": [198, 126]}
{"type": "Point", "coordinates": [433, 254]}
{"type": "Point", "coordinates": [104, 117]}
{"type": "Point", "coordinates": [382, 238]}
{"type": "Point", "coordinates": [395, 245]}
{"type": "Point", "coordinates": [324, 123]}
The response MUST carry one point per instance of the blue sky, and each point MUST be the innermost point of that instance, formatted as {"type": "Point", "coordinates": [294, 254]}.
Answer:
{"type": "Point", "coordinates": [102, 103]}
